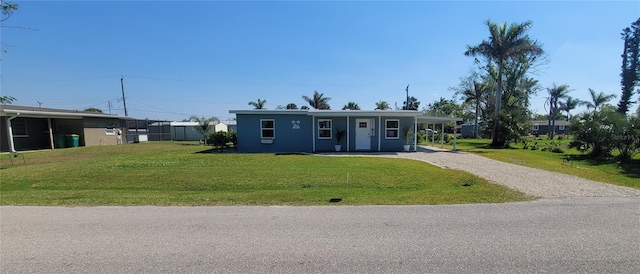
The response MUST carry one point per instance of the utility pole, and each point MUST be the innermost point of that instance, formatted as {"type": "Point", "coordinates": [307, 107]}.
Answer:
{"type": "Point", "coordinates": [109, 104]}
{"type": "Point", "coordinates": [123, 98]}
{"type": "Point", "coordinates": [407, 103]}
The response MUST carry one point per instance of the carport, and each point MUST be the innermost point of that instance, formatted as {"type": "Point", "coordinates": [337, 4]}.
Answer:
{"type": "Point", "coordinates": [435, 120]}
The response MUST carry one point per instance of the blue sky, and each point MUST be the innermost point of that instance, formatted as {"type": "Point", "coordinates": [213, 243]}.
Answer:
{"type": "Point", "coordinates": [205, 57]}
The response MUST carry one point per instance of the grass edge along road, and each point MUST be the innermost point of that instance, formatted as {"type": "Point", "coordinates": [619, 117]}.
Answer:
{"type": "Point", "coordinates": [168, 173]}
{"type": "Point", "coordinates": [605, 170]}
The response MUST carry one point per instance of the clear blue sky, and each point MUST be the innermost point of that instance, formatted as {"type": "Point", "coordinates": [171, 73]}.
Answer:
{"type": "Point", "coordinates": [204, 58]}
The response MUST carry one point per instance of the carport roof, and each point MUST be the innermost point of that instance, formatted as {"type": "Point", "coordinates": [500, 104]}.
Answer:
{"type": "Point", "coordinates": [36, 112]}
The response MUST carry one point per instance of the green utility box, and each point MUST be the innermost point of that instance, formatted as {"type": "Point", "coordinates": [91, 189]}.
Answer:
{"type": "Point", "coordinates": [73, 140]}
{"type": "Point", "coordinates": [58, 141]}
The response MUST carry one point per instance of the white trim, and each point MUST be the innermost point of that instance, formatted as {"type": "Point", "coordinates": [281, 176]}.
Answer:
{"type": "Point", "coordinates": [535, 127]}
{"type": "Point", "coordinates": [379, 134]}
{"type": "Point", "coordinates": [387, 129]}
{"type": "Point", "coordinates": [330, 129]}
{"type": "Point", "coordinates": [273, 121]}
{"type": "Point", "coordinates": [313, 133]}
{"type": "Point", "coordinates": [348, 131]}
{"type": "Point", "coordinates": [415, 134]}
{"type": "Point", "coordinates": [53, 114]}
{"type": "Point", "coordinates": [561, 127]}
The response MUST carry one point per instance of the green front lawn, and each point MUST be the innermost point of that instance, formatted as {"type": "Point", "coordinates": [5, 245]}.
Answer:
{"type": "Point", "coordinates": [601, 170]}
{"type": "Point", "coordinates": [165, 173]}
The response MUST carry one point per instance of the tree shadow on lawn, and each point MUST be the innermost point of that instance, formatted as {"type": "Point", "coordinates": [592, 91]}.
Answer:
{"type": "Point", "coordinates": [630, 168]}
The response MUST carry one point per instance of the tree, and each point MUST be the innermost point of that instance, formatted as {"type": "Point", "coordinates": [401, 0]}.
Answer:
{"type": "Point", "coordinates": [318, 101]}
{"type": "Point", "coordinates": [92, 109]}
{"type": "Point", "coordinates": [304, 107]}
{"type": "Point", "coordinates": [7, 100]}
{"type": "Point", "coordinates": [630, 65]}
{"type": "Point", "coordinates": [351, 106]}
{"type": "Point", "coordinates": [504, 44]}
{"type": "Point", "coordinates": [7, 10]}
{"type": "Point", "coordinates": [413, 104]}
{"type": "Point", "coordinates": [382, 105]}
{"type": "Point", "coordinates": [555, 94]}
{"type": "Point", "coordinates": [471, 89]}
{"type": "Point", "coordinates": [598, 100]}
{"type": "Point", "coordinates": [568, 105]}
{"type": "Point", "coordinates": [205, 125]}
{"type": "Point", "coordinates": [259, 104]}
{"type": "Point", "coordinates": [291, 106]}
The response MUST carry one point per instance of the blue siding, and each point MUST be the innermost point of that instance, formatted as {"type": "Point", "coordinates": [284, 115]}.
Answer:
{"type": "Point", "coordinates": [385, 144]}
{"type": "Point", "coordinates": [396, 144]}
{"type": "Point", "coordinates": [287, 139]}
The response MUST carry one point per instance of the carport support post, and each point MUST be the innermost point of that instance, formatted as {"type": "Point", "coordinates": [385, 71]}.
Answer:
{"type": "Point", "coordinates": [454, 139]}
{"type": "Point", "coordinates": [442, 136]}
{"type": "Point", "coordinates": [50, 133]}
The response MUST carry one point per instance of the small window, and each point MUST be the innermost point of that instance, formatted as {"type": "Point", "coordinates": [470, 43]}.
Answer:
{"type": "Point", "coordinates": [267, 129]}
{"type": "Point", "coordinates": [362, 125]}
{"type": "Point", "coordinates": [561, 127]}
{"type": "Point", "coordinates": [324, 129]}
{"type": "Point", "coordinates": [392, 129]}
{"type": "Point", "coordinates": [19, 127]}
{"type": "Point", "coordinates": [536, 127]}
{"type": "Point", "coordinates": [110, 129]}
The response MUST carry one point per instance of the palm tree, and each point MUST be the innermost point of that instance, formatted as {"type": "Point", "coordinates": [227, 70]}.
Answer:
{"type": "Point", "coordinates": [597, 100]}
{"type": "Point", "coordinates": [382, 105]}
{"type": "Point", "coordinates": [291, 106]}
{"type": "Point", "coordinates": [351, 106]}
{"type": "Point", "coordinates": [7, 100]}
{"type": "Point", "coordinates": [413, 104]}
{"type": "Point", "coordinates": [259, 104]}
{"type": "Point", "coordinates": [503, 45]}
{"type": "Point", "coordinates": [474, 95]}
{"type": "Point", "coordinates": [555, 94]}
{"type": "Point", "coordinates": [318, 101]}
{"type": "Point", "coordinates": [569, 105]}
{"type": "Point", "coordinates": [205, 125]}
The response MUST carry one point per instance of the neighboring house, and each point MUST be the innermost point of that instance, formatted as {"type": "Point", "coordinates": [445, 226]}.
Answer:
{"type": "Point", "coordinates": [467, 129]}
{"type": "Point", "coordinates": [541, 127]}
{"type": "Point", "coordinates": [261, 130]}
{"type": "Point", "coordinates": [186, 131]}
{"type": "Point", "coordinates": [32, 128]}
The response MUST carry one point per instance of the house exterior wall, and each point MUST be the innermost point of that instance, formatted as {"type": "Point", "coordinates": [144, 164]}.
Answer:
{"type": "Point", "coordinates": [288, 136]}
{"type": "Point", "coordinates": [96, 133]}
{"type": "Point", "coordinates": [37, 135]}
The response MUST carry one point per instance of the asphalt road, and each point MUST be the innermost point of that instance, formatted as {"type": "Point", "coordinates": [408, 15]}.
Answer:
{"type": "Point", "coordinates": [586, 235]}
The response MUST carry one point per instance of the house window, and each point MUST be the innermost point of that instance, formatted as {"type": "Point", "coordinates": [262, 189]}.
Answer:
{"type": "Point", "coordinates": [324, 129]}
{"type": "Point", "coordinates": [110, 129]}
{"type": "Point", "coordinates": [536, 127]}
{"type": "Point", "coordinates": [19, 127]}
{"type": "Point", "coordinates": [561, 127]}
{"type": "Point", "coordinates": [267, 129]}
{"type": "Point", "coordinates": [392, 128]}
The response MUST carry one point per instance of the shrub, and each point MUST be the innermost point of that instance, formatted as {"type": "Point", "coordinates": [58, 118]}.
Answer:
{"type": "Point", "coordinates": [218, 139]}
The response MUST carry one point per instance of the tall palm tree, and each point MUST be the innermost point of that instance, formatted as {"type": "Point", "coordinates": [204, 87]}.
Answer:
{"type": "Point", "coordinates": [259, 104]}
{"type": "Point", "coordinates": [474, 96]}
{"type": "Point", "coordinates": [504, 44]}
{"type": "Point", "coordinates": [382, 105]}
{"type": "Point", "coordinates": [555, 94]}
{"type": "Point", "coordinates": [568, 105]}
{"type": "Point", "coordinates": [318, 101]}
{"type": "Point", "coordinates": [351, 106]}
{"type": "Point", "coordinates": [597, 100]}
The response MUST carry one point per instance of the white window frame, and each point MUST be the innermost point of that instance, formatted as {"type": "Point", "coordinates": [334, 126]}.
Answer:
{"type": "Point", "coordinates": [561, 127]}
{"type": "Point", "coordinates": [325, 129]}
{"type": "Point", "coordinates": [387, 129]}
{"type": "Point", "coordinates": [110, 128]}
{"type": "Point", "coordinates": [536, 127]}
{"type": "Point", "coordinates": [262, 128]}
{"type": "Point", "coordinates": [19, 129]}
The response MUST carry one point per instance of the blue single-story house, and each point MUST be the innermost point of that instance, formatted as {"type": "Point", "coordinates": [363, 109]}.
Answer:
{"type": "Point", "coordinates": [261, 130]}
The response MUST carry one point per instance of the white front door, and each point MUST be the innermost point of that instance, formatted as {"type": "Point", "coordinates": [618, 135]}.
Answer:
{"type": "Point", "coordinates": [363, 134]}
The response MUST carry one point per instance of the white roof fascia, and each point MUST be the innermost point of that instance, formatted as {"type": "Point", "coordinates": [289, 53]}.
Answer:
{"type": "Point", "coordinates": [68, 115]}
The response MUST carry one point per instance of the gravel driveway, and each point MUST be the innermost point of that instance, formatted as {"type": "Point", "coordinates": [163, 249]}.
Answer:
{"type": "Point", "coordinates": [531, 181]}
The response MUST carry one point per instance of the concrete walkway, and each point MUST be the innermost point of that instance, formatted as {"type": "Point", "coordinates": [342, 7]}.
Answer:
{"type": "Point", "coordinates": [531, 181]}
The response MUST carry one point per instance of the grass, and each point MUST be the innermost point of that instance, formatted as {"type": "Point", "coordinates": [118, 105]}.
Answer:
{"type": "Point", "coordinates": [606, 170]}
{"type": "Point", "coordinates": [165, 173]}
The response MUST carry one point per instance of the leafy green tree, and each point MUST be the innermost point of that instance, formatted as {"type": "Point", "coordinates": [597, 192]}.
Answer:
{"type": "Point", "coordinates": [556, 93]}
{"type": "Point", "coordinates": [382, 105]}
{"type": "Point", "coordinates": [603, 131]}
{"type": "Point", "coordinates": [291, 106]}
{"type": "Point", "coordinates": [7, 100]}
{"type": "Point", "coordinates": [205, 125]}
{"type": "Point", "coordinates": [598, 100]}
{"type": "Point", "coordinates": [444, 107]}
{"type": "Point", "coordinates": [472, 89]}
{"type": "Point", "coordinates": [92, 109]}
{"type": "Point", "coordinates": [318, 101]}
{"type": "Point", "coordinates": [412, 104]}
{"type": "Point", "coordinates": [630, 65]}
{"type": "Point", "coordinates": [351, 106]}
{"type": "Point", "coordinates": [304, 107]}
{"type": "Point", "coordinates": [504, 44]}
{"type": "Point", "coordinates": [258, 104]}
